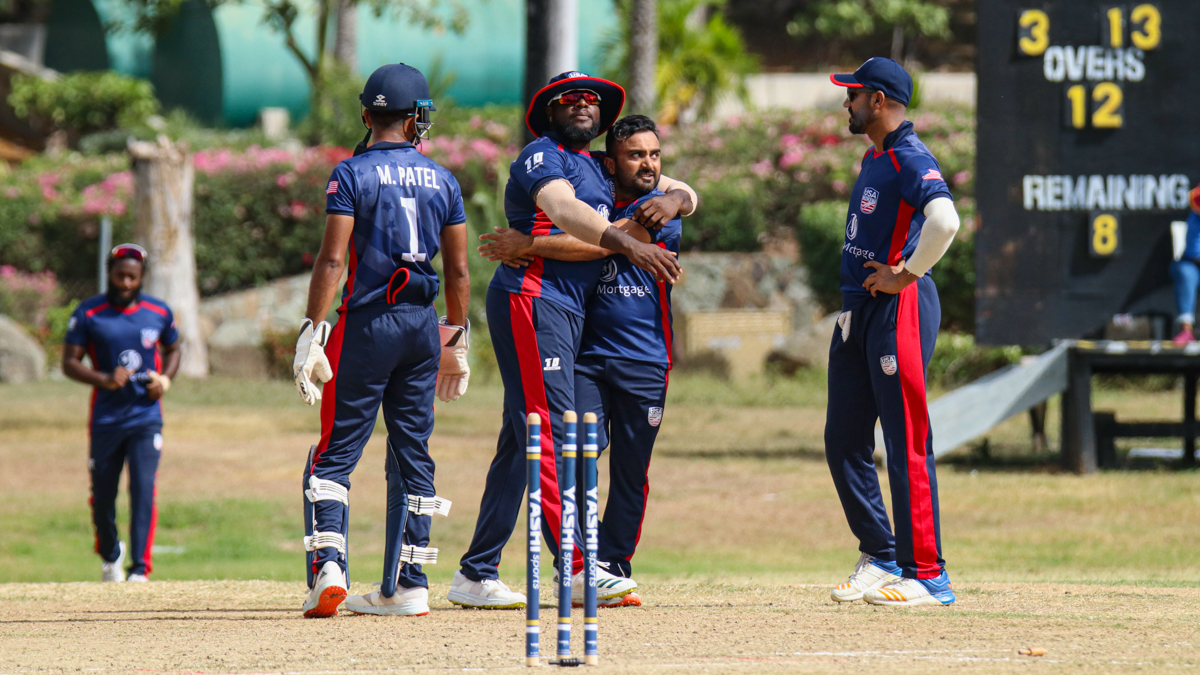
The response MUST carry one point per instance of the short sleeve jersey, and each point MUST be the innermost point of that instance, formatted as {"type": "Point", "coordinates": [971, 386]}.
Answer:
{"type": "Point", "coordinates": [566, 284]}
{"type": "Point", "coordinates": [400, 201]}
{"type": "Point", "coordinates": [130, 338]}
{"type": "Point", "coordinates": [629, 316]}
{"type": "Point", "coordinates": [887, 208]}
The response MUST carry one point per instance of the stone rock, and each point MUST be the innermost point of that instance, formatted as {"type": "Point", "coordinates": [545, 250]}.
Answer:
{"type": "Point", "coordinates": [21, 357]}
{"type": "Point", "coordinates": [807, 348]}
{"type": "Point", "coordinates": [234, 324]}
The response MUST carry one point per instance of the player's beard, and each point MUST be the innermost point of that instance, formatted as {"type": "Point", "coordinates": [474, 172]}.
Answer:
{"type": "Point", "coordinates": [633, 186]}
{"type": "Point", "coordinates": [575, 135]}
{"type": "Point", "coordinates": [119, 301]}
{"type": "Point", "coordinates": [859, 121]}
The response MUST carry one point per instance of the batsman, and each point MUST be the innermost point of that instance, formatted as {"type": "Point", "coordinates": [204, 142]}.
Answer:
{"type": "Point", "coordinates": [392, 209]}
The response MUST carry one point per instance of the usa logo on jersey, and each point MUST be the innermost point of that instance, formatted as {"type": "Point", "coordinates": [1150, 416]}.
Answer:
{"type": "Point", "coordinates": [870, 200]}
{"type": "Point", "coordinates": [149, 337]}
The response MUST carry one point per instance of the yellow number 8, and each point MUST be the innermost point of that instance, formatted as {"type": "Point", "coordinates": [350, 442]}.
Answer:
{"type": "Point", "coordinates": [1035, 32]}
{"type": "Point", "coordinates": [1104, 234]}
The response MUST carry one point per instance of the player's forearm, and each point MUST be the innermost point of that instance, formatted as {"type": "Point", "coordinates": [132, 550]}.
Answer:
{"type": "Point", "coordinates": [458, 296]}
{"type": "Point", "coordinates": [687, 196]}
{"type": "Point", "coordinates": [566, 248]}
{"type": "Point", "coordinates": [941, 224]}
{"type": "Point", "coordinates": [323, 287]}
{"type": "Point", "coordinates": [557, 199]}
{"type": "Point", "coordinates": [75, 370]}
{"type": "Point", "coordinates": [173, 357]}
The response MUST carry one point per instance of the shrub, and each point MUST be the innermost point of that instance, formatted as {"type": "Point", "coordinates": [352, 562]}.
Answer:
{"type": "Point", "coordinates": [83, 102]}
{"type": "Point", "coordinates": [26, 297]}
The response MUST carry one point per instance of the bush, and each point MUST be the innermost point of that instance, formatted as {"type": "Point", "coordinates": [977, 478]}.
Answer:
{"type": "Point", "coordinates": [26, 297]}
{"type": "Point", "coordinates": [957, 360]}
{"type": "Point", "coordinates": [83, 102]}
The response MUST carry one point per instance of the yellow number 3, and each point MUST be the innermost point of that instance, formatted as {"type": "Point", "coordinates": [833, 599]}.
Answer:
{"type": "Point", "coordinates": [1148, 31]}
{"type": "Point", "coordinates": [1034, 32]}
{"type": "Point", "coordinates": [1104, 235]}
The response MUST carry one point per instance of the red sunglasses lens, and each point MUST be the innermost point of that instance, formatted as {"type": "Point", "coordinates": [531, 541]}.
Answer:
{"type": "Point", "coordinates": [577, 96]}
{"type": "Point", "coordinates": [127, 252]}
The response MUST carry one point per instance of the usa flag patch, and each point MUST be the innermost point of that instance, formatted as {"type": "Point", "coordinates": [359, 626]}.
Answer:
{"type": "Point", "coordinates": [933, 174]}
{"type": "Point", "coordinates": [332, 189]}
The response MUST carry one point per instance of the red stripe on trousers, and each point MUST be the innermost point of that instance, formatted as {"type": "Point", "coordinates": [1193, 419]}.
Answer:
{"type": "Point", "coordinates": [529, 362]}
{"type": "Point", "coordinates": [665, 305]}
{"type": "Point", "coordinates": [148, 554]}
{"type": "Point", "coordinates": [333, 352]}
{"type": "Point", "coordinates": [900, 232]}
{"type": "Point", "coordinates": [911, 369]}
{"type": "Point", "coordinates": [531, 281]}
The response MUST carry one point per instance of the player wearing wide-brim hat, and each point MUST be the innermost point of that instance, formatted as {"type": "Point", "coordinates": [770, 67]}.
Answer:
{"type": "Point", "coordinates": [900, 222]}
{"type": "Point", "coordinates": [610, 98]}
{"type": "Point", "coordinates": [134, 350]}
{"type": "Point", "coordinates": [392, 210]}
{"type": "Point", "coordinates": [536, 312]}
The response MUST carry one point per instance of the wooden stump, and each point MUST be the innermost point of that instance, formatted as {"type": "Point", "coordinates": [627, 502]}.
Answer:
{"type": "Point", "coordinates": [163, 195]}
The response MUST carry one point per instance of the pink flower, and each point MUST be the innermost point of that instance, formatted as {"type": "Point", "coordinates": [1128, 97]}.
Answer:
{"type": "Point", "coordinates": [47, 182]}
{"type": "Point", "coordinates": [802, 176]}
{"type": "Point", "coordinates": [761, 169]}
{"type": "Point", "coordinates": [716, 143]}
{"type": "Point", "coordinates": [734, 122]}
{"type": "Point", "coordinates": [829, 140]}
{"type": "Point", "coordinates": [298, 209]}
{"type": "Point", "coordinates": [839, 185]}
{"type": "Point", "coordinates": [962, 177]}
{"type": "Point", "coordinates": [476, 121]}
{"type": "Point", "coordinates": [791, 158]}
{"type": "Point", "coordinates": [12, 192]}
{"type": "Point", "coordinates": [7, 271]}
{"type": "Point", "coordinates": [788, 140]}
{"type": "Point", "coordinates": [285, 179]}
{"type": "Point", "coordinates": [857, 167]}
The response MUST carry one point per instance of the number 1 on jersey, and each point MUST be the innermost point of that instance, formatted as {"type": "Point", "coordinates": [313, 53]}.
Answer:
{"type": "Point", "coordinates": [414, 254]}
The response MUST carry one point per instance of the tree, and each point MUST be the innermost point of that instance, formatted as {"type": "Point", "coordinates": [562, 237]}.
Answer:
{"type": "Point", "coordinates": [281, 16]}
{"type": "Point", "coordinates": [701, 57]}
{"type": "Point", "coordinates": [643, 41]}
{"type": "Point", "coordinates": [850, 19]}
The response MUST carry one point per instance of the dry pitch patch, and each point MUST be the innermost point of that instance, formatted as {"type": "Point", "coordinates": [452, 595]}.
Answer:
{"type": "Point", "coordinates": [248, 626]}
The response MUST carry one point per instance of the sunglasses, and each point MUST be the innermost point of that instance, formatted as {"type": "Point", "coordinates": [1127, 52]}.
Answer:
{"type": "Point", "coordinates": [573, 97]}
{"type": "Point", "coordinates": [129, 251]}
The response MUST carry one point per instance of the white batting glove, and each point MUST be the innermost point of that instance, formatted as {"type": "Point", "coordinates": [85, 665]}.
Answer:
{"type": "Point", "coordinates": [310, 367]}
{"type": "Point", "coordinates": [453, 372]}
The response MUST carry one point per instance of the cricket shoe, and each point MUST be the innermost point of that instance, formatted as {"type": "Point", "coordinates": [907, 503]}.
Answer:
{"type": "Point", "coordinates": [327, 592]}
{"type": "Point", "coordinates": [111, 571]}
{"type": "Point", "coordinates": [608, 586]}
{"type": "Point", "coordinates": [627, 600]}
{"type": "Point", "coordinates": [404, 602]}
{"type": "Point", "coordinates": [869, 574]}
{"type": "Point", "coordinates": [138, 578]}
{"type": "Point", "coordinates": [914, 592]}
{"type": "Point", "coordinates": [485, 594]}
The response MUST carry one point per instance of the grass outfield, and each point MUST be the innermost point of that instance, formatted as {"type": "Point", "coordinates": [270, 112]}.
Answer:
{"type": "Point", "coordinates": [739, 491]}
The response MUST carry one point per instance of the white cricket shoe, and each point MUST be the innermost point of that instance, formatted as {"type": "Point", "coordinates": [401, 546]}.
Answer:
{"type": "Point", "coordinates": [486, 594]}
{"type": "Point", "coordinates": [327, 592]}
{"type": "Point", "coordinates": [869, 574]}
{"type": "Point", "coordinates": [405, 602]}
{"type": "Point", "coordinates": [608, 586]}
{"type": "Point", "coordinates": [137, 578]}
{"type": "Point", "coordinates": [112, 571]}
{"type": "Point", "coordinates": [914, 592]}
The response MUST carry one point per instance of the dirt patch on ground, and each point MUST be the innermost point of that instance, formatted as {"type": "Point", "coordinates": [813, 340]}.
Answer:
{"type": "Point", "coordinates": [210, 627]}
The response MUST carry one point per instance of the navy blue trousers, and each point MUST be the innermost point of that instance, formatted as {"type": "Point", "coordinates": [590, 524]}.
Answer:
{"type": "Point", "coordinates": [628, 396]}
{"type": "Point", "coordinates": [109, 451]}
{"type": "Point", "coordinates": [879, 373]}
{"type": "Point", "coordinates": [381, 355]}
{"type": "Point", "coordinates": [535, 342]}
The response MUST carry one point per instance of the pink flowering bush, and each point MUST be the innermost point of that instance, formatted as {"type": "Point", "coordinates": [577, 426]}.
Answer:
{"type": "Point", "coordinates": [26, 297]}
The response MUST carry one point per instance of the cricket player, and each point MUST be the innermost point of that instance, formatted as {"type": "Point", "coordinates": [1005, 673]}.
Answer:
{"type": "Point", "coordinates": [901, 221]}
{"type": "Point", "coordinates": [393, 209]}
{"type": "Point", "coordinates": [624, 359]}
{"type": "Point", "coordinates": [131, 340]}
{"type": "Point", "coordinates": [535, 316]}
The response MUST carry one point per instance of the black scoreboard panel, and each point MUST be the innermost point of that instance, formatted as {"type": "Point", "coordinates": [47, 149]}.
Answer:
{"type": "Point", "coordinates": [1088, 143]}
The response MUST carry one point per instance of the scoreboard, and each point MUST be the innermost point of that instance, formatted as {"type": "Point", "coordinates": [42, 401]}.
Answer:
{"type": "Point", "coordinates": [1088, 143]}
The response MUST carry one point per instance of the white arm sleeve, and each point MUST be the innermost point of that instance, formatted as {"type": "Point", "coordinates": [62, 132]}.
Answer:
{"type": "Point", "coordinates": [666, 184]}
{"type": "Point", "coordinates": [557, 199]}
{"type": "Point", "coordinates": [941, 224]}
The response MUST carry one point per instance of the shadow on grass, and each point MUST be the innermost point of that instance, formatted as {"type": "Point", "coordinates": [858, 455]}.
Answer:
{"type": "Point", "coordinates": [763, 454]}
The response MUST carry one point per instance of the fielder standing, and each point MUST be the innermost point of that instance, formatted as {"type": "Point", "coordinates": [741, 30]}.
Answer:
{"type": "Point", "coordinates": [134, 348]}
{"type": "Point", "coordinates": [901, 221]}
{"type": "Point", "coordinates": [393, 209]}
{"type": "Point", "coordinates": [624, 359]}
{"type": "Point", "coordinates": [535, 316]}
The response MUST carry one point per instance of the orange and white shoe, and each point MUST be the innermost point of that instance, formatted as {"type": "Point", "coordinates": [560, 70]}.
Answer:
{"type": "Point", "coordinates": [914, 592]}
{"type": "Point", "coordinates": [328, 591]}
{"type": "Point", "coordinates": [404, 602]}
{"type": "Point", "coordinates": [869, 574]}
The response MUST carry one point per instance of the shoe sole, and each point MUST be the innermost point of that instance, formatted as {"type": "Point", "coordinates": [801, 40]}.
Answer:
{"type": "Point", "coordinates": [327, 604]}
{"type": "Point", "coordinates": [924, 601]}
{"type": "Point", "coordinates": [846, 598]}
{"type": "Point", "coordinates": [471, 603]}
{"type": "Point", "coordinates": [407, 609]}
{"type": "Point", "coordinates": [628, 600]}
{"type": "Point", "coordinates": [577, 600]}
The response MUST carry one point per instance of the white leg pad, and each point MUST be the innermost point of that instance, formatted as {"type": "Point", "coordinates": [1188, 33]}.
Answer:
{"type": "Point", "coordinates": [418, 555]}
{"type": "Point", "coordinates": [428, 506]}
{"type": "Point", "coordinates": [320, 540]}
{"type": "Point", "coordinates": [321, 490]}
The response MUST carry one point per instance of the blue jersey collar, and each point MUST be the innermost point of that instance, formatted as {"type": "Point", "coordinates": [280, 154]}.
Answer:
{"type": "Point", "coordinates": [896, 136]}
{"type": "Point", "coordinates": [389, 146]}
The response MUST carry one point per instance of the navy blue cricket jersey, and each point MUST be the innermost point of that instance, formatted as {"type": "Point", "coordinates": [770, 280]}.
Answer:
{"type": "Point", "coordinates": [566, 284]}
{"type": "Point", "coordinates": [400, 201]}
{"type": "Point", "coordinates": [887, 208]}
{"type": "Point", "coordinates": [629, 316]}
{"type": "Point", "coordinates": [123, 337]}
